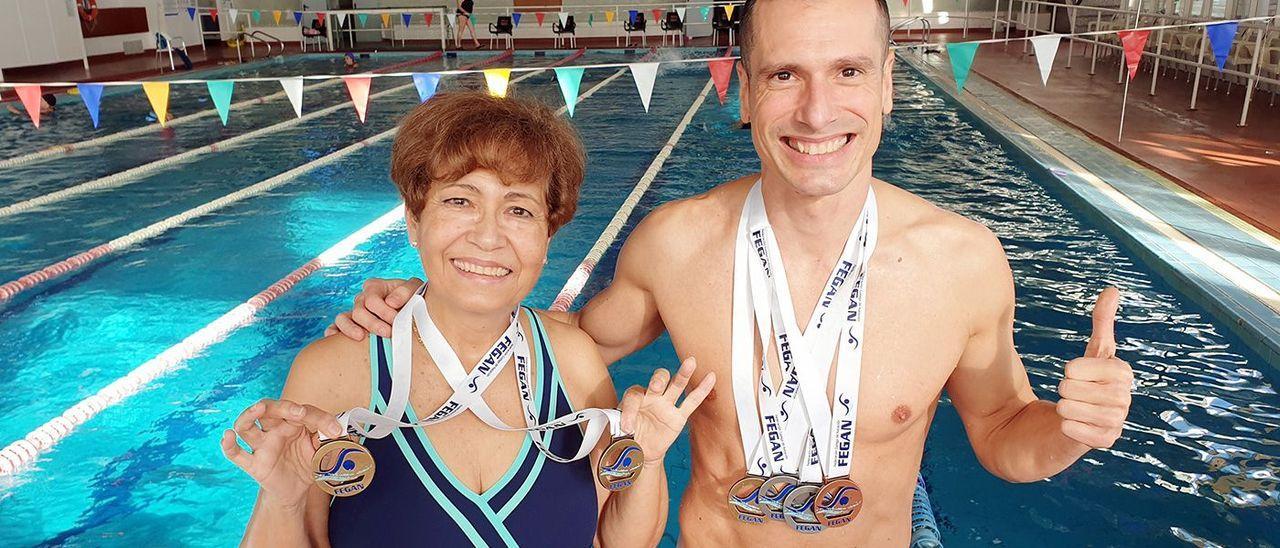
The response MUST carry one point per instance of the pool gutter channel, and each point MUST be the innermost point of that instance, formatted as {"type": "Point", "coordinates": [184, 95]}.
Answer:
{"type": "Point", "coordinates": [1175, 215]}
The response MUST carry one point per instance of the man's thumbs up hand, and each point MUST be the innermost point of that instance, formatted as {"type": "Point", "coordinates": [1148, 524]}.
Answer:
{"type": "Point", "coordinates": [1095, 390]}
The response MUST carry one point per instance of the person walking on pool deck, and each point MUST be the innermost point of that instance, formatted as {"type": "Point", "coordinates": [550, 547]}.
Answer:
{"type": "Point", "coordinates": [465, 8]}
{"type": "Point", "coordinates": [486, 183]}
{"type": "Point", "coordinates": [808, 261]}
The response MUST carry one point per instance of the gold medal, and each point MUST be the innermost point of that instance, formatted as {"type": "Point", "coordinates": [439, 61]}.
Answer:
{"type": "Point", "coordinates": [837, 502]}
{"type": "Point", "coordinates": [744, 497]}
{"type": "Point", "coordinates": [342, 467]}
{"type": "Point", "coordinates": [620, 464]}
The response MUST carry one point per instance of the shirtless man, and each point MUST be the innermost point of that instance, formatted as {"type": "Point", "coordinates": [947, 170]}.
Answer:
{"type": "Point", "coordinates": [816, 83]}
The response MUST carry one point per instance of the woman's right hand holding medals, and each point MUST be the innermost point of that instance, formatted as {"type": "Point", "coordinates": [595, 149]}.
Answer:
{"type": "Point", "coordinates": [281, 435]}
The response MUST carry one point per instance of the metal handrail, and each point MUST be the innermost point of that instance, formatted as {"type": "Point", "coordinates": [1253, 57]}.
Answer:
{"type": "Point", "coordinates": [924, 24]}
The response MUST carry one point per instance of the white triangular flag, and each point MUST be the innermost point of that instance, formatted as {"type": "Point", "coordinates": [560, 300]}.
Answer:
{"type": "Point", "coordinates": [453, 19]}
{"type": "Point", "coordinates": [342, 19]}
{"type": "Point", "coordinates": [1046, 49]}
{"type": "Point", "coordinates": [644, 75]}
{"type": "Point", "coordinates": [680, 12]}
{"type": "Point", "coordinates": [233, 13]}
{"type": "Point", "coordinates": [293, 88]}
{"type": "Point", "coordinates": [564, 19]}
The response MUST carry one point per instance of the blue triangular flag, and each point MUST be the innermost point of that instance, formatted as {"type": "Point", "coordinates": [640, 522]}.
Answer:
{"type": "Point", "coordinates": [191, 12]}
{"type": "Point", "coordinates": [91, 94]}
{"type": "Point", "coordinates": [631, 16]}
{"type": "Point", "coordinates": [515, 20]}
{"type": "Point", "coordinates": [297, 18]}
{"type": "Point", "coordinates": [220, 92]}
{"type": "Point", "coordinates": [426, 84]}
{"type": "Point", "coordinates": [407, 17]}
{"type": "Point", "coordinates": [1221, 36]}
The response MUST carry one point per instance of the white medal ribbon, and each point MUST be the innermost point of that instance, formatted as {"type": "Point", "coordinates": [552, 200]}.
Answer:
{"type": "Point", "coordinates": [805, 358]}
{"type": "Point", "coordinates": [468, 388]}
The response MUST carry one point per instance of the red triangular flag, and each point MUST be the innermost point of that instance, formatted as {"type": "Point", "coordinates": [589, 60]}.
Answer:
{"type": "Point", "coordinates": [320, 17]}
{"type": "Point", "coordinates": [721, 71]}
{"type": "Point", "coordinates": [1133, 41]}
{"type": "Point", "coordinates": [213, 14]}
{"type": "Point", "coordinates": [358, 87]}
{"type": "Point", "coordinates": [428, 15]}
{"type": "Point", "coordinates": [657, 15]}
{"type": "Point", "coordinates": [30, 96]}
{"type": "Point", "coordinates": [540, 17]}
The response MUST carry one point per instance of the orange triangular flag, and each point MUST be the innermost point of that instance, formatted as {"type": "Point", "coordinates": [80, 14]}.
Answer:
{"type": "Point", "coordinates": [275, 14]}
{"type": "Point", "coordinates": [721, 72]}
{"type": "Point", "coordinates": [158, 94]}
{"type": "Point", "coordinates": [386, 20]}
{"type": "Point", "coordinates": [30, 96]}
{"type": "Point", "coordinates": [358, 87]}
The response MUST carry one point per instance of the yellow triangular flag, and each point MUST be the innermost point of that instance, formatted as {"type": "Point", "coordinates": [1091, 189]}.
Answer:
{"type": "Point", "coordinates": [608, 16]}
{"type": "Point", "coordinates": [158, 94]}
{"type": "Point", "coordinates": [386, 20]}
{"type": "Point", "coordinates": [728, 11]}
{"type": "Point", "coordinates": [276, 14]}
{"type": "Point", "coordinates": [497, 80]}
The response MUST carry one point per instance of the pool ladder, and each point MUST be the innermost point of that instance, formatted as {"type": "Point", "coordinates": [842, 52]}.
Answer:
{"type": "Point", "coordinates": [257, 36]}
{"type": "Point", "coordinates": [907, 24]}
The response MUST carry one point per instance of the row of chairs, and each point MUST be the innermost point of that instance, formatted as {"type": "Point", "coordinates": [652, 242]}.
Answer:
{"type": "Point", "coordinates": [671, 24]}
{"type": "Point", "coordinates": [1185, 46]}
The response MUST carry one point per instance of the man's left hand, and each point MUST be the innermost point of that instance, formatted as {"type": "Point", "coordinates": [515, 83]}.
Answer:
{"type": "Point", "coordinates": [1096, 389]}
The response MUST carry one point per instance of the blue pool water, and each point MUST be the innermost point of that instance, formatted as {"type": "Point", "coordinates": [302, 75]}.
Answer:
{"type": "Point", "coordinates": [1197, 464]}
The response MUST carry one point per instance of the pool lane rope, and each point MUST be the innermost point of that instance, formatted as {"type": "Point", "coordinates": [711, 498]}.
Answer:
{"type": "Point", "coordinates": [11, 289]}
{"type": "Point", "coordinates": [133, 175]}
{"type": "Point", "coordinates": [578, 280]}
{"type": "Point", "coordinates": [25, 451]}
{"type": "Point", "coordinates": [60, 150]}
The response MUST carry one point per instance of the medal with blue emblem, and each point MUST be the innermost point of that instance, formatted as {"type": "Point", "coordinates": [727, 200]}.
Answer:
{"type": "Point", "coordinates": [744, 497]}
{"type": "Point", "coordinates": [838, 502]}
{"type": "Point", "coordinates": [798, 508]}
{"type": "Point", "coordinates": [620, 464]}
{"type": "Point", "coordinates": [774, 492]}
{"type": "Point", "coordinates": [342, 467]}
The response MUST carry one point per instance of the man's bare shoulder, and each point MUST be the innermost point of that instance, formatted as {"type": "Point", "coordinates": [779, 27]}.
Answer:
{"type": "Point", "coordinates": [581, 367]}
{"type": "Point", "coordinates": [331, 373]}
{"type": "Point", "coordinates": [689, 223]}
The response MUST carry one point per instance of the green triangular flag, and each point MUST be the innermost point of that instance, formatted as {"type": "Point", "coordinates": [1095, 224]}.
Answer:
{"type": "Point", "coordinates": [473, 19]}
{"type": "Point", "coordinates": [257, 16]}
{"type": "Point", "coordinates": [220, 92]}
{"type": "Point", "coordinates": [961, 55]}
{"type": "Point", "coordinates": [364, 18]}
{"type": "Point", "coordinates": [570, 80]}
{"type": "Point", "coordinates": [591, 19]}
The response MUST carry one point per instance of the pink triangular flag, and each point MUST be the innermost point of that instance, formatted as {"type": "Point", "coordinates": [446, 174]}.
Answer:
{"type": "Point", "coordinates": [721, 72]}
{"type": "Point", "coordinates": [30, 96]}
{"type": "Point", "coordinates": [358, 87]}
{"type": "Point", "coordinates": [1133, 42]}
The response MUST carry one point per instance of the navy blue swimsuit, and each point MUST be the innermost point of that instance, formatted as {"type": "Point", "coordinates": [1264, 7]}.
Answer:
{"type": "Point", "coordinates": [414, 500]}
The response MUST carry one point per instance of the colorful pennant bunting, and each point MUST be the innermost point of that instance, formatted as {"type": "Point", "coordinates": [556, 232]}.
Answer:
{"type": "Point", "coordinates": [540, 16]}
{"type": "Point", "coordinates": [191, 12]}
{"type": "Point", "coordinates": [220, 91]}
{"type": "Point", "coordinates": [1046, 47]}
{"type": "Point", "coordinates": [644, 74]}
{"type": "Point", "coordinates": [706, 13]}
{"type": "Point", "coordinates": [428, 16]}
{"type": "Point", "coordinates": [728, 11]}
{"type": "Point", "coordinates": [386, 20]}
{"type": "Point", "coordinates": [342, 19]}
{"type": "Point", "coordinates": [407, 17]}
{"type": "Point", "coordinates": [473, 19]}
{"type": "Point", "coordinates": [1133, 42]}
{"type": "Point", "coordinates": [564, 18]}
{"type": "Point", "coordinates": [364, 19]}
{"type": "Point", "coordinates": [213, 14]}
{"type": "Point", "coordinates": [91, 96]}
{"type": "Point", "coordinates": [1221, 36]}
{"type": "Point", "coordinates": [609, 15]}
{"type": "Point", "coordinates": [257, 16]}
{"type": "Point", "coordinates": [297, 18]}
{"type": "Point", "coordinates": [961, 55]}
{"type": "Point", "coordinates": [515, 19]}
{"type": "Point", "coordinates": [293, 89]}
{"type": "Point", "coordinates": [233, 12]}
{"type": "Point", "coordinates": [358, 87]}
{"type": "Point", "coordinates": [657, 15]}
{"type": "Point", "coordinates": [570, 80]}
{"type": "Point", "coordinates": [30, 97]}
{"type": "Point", "coordinates": [158, 95]}
{"type": "Point", "coordinates": [275, 14]}
{"type": "Point", "coordinates": [496, 80]}
{"type": "Point", "coordinates": [426, 84]}
{"type": "Point", "coordinates": [591, 19]}
{"type": "Point", "coordinates": [453, 20]}
{"type": "Point", "coordinates": [680, 13]}
{"type": "Point", "coordinates": [322, 18]}
{"type": "Point", "coordinates": [631, 16]}
{"type": "Point", "coordinates": [721, 72]}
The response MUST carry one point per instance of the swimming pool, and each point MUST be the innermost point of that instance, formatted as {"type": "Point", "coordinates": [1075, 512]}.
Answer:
{"type": "Point", "coordinates": [1198, 460]}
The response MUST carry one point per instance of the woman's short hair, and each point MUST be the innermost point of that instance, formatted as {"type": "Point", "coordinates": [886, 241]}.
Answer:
{"type": "Point", "coordinates": [521, 140]}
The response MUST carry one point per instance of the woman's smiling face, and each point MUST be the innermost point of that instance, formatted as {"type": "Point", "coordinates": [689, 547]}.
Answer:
{"type": "Point", "coordinates": [483, 242]}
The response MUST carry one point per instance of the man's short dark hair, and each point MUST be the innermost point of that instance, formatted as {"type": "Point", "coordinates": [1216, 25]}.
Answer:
{"type": "Point", "coordinates": [745, 31]}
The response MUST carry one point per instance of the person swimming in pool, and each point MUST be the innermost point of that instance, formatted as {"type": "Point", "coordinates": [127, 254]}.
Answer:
{"type": "Point", "coordinates": [931, 308]}
{"type": "Point", "coordinates": [464, 11]}
{"type": "Point", "coordinates": [486, 183]}
{"type": "Point", "coordinates": [349, 61]}
{"type": "Point", "coordinates": [47, 102]}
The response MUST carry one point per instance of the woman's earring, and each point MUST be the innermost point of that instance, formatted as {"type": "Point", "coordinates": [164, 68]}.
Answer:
{"type": "Point", "coordinates": [413, 244]}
